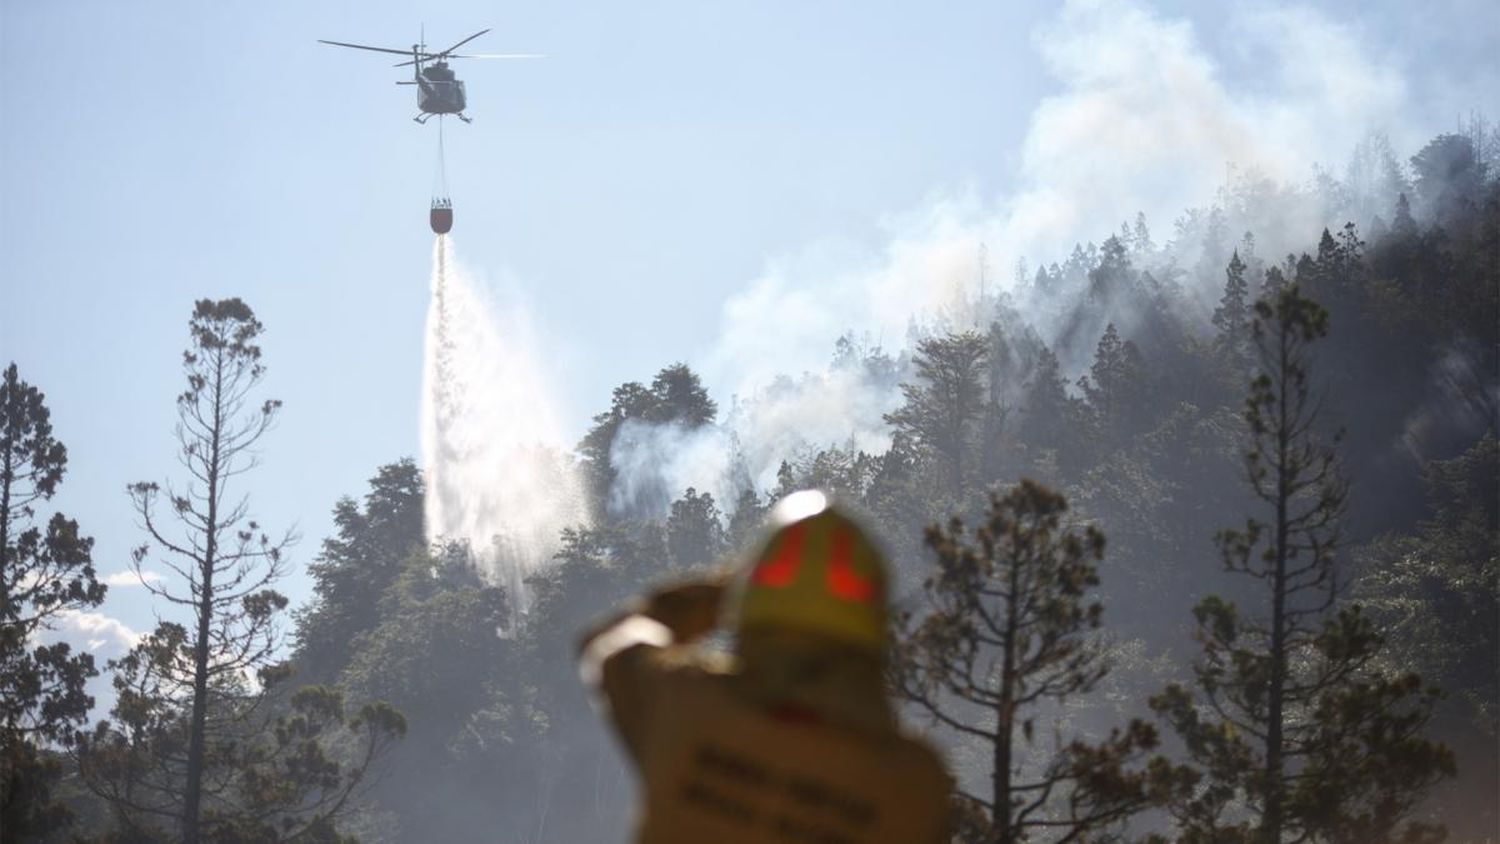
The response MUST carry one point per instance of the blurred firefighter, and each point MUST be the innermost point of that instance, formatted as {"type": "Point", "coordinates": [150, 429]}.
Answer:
{"type": "Point", "coordinates": [789, 738]}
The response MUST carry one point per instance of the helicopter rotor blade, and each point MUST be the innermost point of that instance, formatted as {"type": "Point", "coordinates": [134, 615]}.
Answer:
{"type": "Point", "coordinates": [366, 47]}
{"type": "Point", "coordinates": [498, 56]}
{"type": "Point", "coordinates": [446, 56]}
{"type": "Point", "coordinates": [463, 42]}
{"type": "Point", "coordinates": [422, 57]}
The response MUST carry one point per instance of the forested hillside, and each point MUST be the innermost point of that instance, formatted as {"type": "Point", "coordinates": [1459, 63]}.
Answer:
{"type": "Point", "coordinates": [1339, 338]}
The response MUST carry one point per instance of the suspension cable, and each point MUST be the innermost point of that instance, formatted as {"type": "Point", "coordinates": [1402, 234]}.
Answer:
{"type": "Point", "coordinates": [440, 186]}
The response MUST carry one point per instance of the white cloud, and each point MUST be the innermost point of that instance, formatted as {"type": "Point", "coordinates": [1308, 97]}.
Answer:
{"type": "Point", "coordinates": [130, 578]}
{"type": "Point", "coordinates": [93, 631]}
{"type": "Point", "coordinates": [96, 633]}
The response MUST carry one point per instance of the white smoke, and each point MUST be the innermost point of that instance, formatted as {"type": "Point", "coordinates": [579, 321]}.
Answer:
{"type": "Point", "coordinates": [839, 405]}
{"type": "Point", "coordinates": [497, 472]}
{"type": "Point", "coordinates": [655, 463]}
{"type": "Point", "coordinates": [1144, 121]}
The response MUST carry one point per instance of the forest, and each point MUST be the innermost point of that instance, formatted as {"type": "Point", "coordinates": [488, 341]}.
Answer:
{"type": "Point", "coordinates": [1247, 462]}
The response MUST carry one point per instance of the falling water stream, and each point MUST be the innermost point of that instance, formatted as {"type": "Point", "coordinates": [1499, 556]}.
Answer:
{"type": "Point", "coordinates": [497, 473]}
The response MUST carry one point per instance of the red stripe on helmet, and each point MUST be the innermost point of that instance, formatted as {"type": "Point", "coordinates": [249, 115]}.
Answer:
{"type": "Point", "coordinates": [843, 581]}
{"type": "Point", "coordinates": [780, 570]}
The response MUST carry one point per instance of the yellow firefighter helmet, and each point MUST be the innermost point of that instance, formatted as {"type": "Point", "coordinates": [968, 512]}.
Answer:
{"type": "Point", "coordinates": [818, 573]}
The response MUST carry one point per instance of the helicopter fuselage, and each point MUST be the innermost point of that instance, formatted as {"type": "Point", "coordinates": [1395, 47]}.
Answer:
{"type": "Point", "coordinates": [438, 90]}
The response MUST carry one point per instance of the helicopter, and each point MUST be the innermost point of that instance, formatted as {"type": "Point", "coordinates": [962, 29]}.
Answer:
{"type": "Point", "coordinates": [439, 90]}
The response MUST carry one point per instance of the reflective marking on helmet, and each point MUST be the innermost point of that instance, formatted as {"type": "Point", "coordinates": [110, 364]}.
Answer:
{"type": "Point", "coordinates": [779, 571]}
{"type": "Point", "coordinates": [843, 581]}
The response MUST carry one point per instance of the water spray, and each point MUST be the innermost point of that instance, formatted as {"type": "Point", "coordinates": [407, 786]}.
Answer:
{"type": "Point", "coordinates": [499, 479]}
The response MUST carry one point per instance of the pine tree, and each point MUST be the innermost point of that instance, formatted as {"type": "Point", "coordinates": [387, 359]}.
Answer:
{"type": "Point", "coordinates": [1290, 719]}
{"type": "Point", "coordinates": [942, 407]}
{"type": "Point", "coordinates": [1402, 224]}
{"type": "Point", "coordinates": [1045, 284]}
{"type": "Point", "coordinates": [1449, 176]}
{"type": "Point", "coordinates": [1438, 589]}
{"type": "Point", "coordinates": [844, 472]}
{"type": "Point", "coordinates": [283, 765]}
{"type": "Point", "coordinates": [437, 653]}
{"type": "Point", "coordinates": [1232, 316]}
{"type": "Point", "coordinates": [1001, 366]}
{"type": "Point", "coordinates": [695, 529]}
{"type": "Point", "coordinates": [1215, 239]}
{"type": "Point", "coordinates": [1255, 268]}
{"type": "Point", "coordinates": [1141, 236]}
{"type": "Point", "coordinates": [1011, 631]}
{"type": "Point", "coordinates": [223, 556]}
{"type": "Point", "coordinates": [1049, 416]}
{"type": "Point", "coordinates": [676, 397]}
{"type": "Point", "coordinates": [194, 750]}
{"type": "Point", "coordinates": [1112, 280]}
{"type": "Point", "coordinates": [45, 573]}
{"type": "Point", "coordinates": [746, 520]}
{"type": "Point", "coordinates": [1374, 175]}
{"type": "Point", "coordinates": [356, 566]}
{"type": "Point", "coordinates": [1114, 389]}
{"type": "Point", "coordinates": [1273, 284]}
{"type": "Point", "coordinates": [680, 397]}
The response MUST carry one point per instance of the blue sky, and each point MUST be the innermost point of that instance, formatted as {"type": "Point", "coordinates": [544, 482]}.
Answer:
{"type": "Point", "coordinates": [650, 191]}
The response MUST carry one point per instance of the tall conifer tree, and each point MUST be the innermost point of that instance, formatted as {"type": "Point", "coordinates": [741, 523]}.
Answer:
{"type": "Point", "coordinates": [943, 406]}
{"type": "Point", "coordinates": [1296, 734]}
{"type": "Point", "coordinates": [194, 750]}
{"type": "Point", "coordinates": [1232, 316]}
{"type": "Point", "coordinates": [45, 572]}
{"type": "Point", "coordinates": [1010, 632]}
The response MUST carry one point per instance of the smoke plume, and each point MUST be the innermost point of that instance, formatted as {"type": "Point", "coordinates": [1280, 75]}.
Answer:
{"type": "Point", "coordinates": [1146, 119]}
